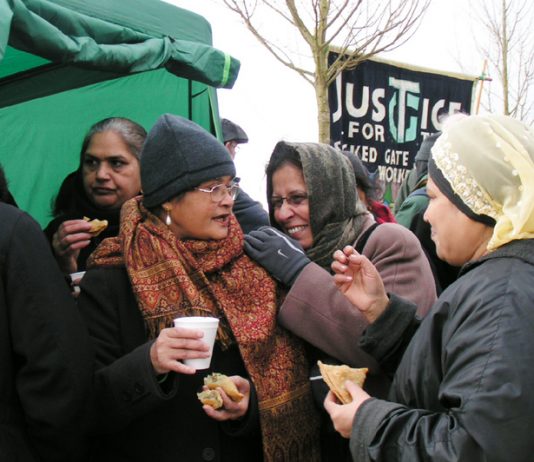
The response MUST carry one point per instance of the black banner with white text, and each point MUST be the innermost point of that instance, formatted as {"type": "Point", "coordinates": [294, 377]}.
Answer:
{"type": "Point", "coordinates": [382, 111]}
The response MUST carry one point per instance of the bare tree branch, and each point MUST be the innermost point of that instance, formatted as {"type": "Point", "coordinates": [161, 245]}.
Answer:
{"type": "Point", "coordinates": [510, 52]}
{"type": "Point", "coordinates": [358, 29]}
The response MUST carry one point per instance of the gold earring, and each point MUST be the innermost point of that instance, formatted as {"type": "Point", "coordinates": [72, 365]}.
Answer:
{"type": "Point", "coordinates": [168, 220]}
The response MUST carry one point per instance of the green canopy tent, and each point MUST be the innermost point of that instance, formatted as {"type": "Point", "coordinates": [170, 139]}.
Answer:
{"type": "Point", "coordinates": [65, 64]}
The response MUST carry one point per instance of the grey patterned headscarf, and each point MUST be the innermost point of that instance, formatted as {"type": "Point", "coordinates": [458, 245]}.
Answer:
{"type": "Point", "coordinates": [336, 213]}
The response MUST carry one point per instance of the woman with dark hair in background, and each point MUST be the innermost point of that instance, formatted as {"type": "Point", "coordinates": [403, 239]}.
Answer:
{"type": "Point", "coordinates": [108, 175]}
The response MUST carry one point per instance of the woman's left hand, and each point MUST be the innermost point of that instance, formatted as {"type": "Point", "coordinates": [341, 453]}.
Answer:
{"type": "Point", "coordinates": [358, 279]}
{"type": "Point", "coordinates": [342, 415]}
{"type": "Point", "coordinates": [231, 410]}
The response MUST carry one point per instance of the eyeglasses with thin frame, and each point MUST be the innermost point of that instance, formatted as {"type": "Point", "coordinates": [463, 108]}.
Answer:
{"type": "Point", "coordinates": [218, 191]}
{"type": "Point", "coordinates": [293, 199]}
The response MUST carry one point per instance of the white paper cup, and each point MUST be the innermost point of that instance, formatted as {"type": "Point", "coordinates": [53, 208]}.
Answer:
{"type": "Point", "coordinates": [76, 278]}
{"type": "Point", "coordinates": [206, 325]}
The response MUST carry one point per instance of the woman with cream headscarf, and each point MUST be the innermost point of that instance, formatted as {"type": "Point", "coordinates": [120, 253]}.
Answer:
{"type": "Point", "coordinates": [463, 387]}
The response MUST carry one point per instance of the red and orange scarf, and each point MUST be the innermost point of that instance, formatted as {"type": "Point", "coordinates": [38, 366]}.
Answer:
{"type": "Point", "coordinates": [172, 277]}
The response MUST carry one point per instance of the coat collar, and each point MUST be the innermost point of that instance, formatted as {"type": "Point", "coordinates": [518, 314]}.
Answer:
{"type": "Point", "coordinates": [522, 249]}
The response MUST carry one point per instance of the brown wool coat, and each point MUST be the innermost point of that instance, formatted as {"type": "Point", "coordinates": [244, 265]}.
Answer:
{"type": "Point", "coordinates": [315, 310]}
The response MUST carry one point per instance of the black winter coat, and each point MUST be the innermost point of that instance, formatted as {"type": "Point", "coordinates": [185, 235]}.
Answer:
{"type": "Point", "coordinates": [45, 355]}
{"type": "Point", "coordinates": [463, 390]}
{"type": "Point", "coordinates": [140, 419]}
{"type": "Point", "coordinates": [249, 213]}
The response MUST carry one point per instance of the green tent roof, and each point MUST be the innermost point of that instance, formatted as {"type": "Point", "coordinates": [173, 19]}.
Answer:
{"type": "Point", "coordinates": [65, 64]}
{"type": "Point", "coordinates": [106, 38]}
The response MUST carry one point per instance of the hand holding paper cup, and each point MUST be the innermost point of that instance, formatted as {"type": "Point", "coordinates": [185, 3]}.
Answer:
{"type": "Point", "coordinates": [209, 327]}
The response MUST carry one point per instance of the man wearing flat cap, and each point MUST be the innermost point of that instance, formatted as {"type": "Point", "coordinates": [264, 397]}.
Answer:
{"type": "Point", "coordinates": [233, 136]}
{"type": "Point", "coordinates": [248, 212]}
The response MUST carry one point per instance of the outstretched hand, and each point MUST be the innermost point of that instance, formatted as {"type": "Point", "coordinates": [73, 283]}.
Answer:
{"type": "Point", "coordinates": [357, 278]}
{"type": "Point", "coordinates": [342, 415]}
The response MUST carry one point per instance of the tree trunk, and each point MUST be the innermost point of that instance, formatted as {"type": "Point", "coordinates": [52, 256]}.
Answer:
{"type": "Point", "coordinates": [323, 112]}
{"type": "Point", "coordinates": [321, 96]}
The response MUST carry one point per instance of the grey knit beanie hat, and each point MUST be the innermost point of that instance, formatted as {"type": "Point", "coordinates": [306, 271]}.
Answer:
{"type": "Point", "coordinates": [178, 155]}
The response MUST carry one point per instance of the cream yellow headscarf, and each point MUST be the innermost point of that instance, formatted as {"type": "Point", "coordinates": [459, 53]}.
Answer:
{"type": "Point", "coordinates": [489, 162]}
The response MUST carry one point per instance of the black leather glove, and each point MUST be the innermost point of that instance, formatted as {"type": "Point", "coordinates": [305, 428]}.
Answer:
{"type": "Point", "coordinates": [280, 255]}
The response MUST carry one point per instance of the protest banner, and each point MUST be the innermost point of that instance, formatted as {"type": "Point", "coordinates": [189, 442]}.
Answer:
{"type": "Point", "coordinates": [382, 110]}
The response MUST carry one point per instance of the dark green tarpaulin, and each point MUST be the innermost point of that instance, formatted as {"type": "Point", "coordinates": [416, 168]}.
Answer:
{"type": "Point", "coordinates": [68, 63]}
{"type": "Point", "coordinates": [120, 35]}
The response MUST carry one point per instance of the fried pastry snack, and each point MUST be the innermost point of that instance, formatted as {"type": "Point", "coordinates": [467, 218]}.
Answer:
{"type": "Point", "coordinates": [211, 398]}
{"type": "Point", "coordinates": [216, 379]}
{"type": "Point", "coordinates": [335, 377]}
{"type": "Point", "coordinates": [97, 226]}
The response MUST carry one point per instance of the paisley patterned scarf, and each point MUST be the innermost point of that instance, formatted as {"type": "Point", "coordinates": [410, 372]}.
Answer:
{"type": "Point", "coordinates": [172, 277]}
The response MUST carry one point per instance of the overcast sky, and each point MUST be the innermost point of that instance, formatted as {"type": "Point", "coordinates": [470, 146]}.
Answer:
{"type": "Point", "coordinates": [272, 103]}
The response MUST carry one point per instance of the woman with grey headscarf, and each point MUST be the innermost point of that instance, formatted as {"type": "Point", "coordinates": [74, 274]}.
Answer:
{"type": "Point", "coordinates": [312, 197]}
{"type": "Point", "coordinates": [463, 387]}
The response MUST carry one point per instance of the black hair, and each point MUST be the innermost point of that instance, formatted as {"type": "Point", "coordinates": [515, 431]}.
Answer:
{"type": "Point", "coordinates": [283, 154]}
{"type": "Point", "coordinates": [63, 200]}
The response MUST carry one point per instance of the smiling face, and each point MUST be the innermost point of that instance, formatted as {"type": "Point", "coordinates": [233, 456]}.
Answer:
{"type": "Point", "coordinates": [194, 215]}
{"type": "Point", "coordinates": [293, 215]}
{"type": "Point", "coordinates": [458, 238]}
{"type": "Point", "coordinates": [110, 171]}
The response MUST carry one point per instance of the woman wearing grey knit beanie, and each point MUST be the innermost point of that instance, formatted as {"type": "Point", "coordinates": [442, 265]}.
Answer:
{"type": "Point", "coordinates": [180, 253]}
